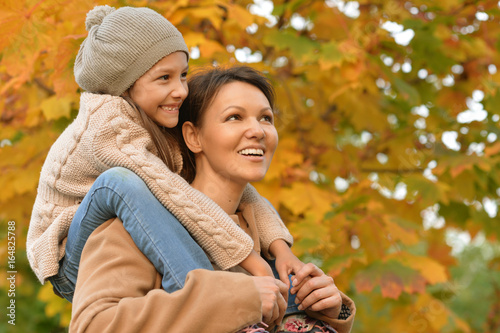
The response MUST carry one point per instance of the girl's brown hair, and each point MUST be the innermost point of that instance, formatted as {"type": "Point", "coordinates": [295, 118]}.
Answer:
{"type": "Point", "coordinates": [164, 139]}
{"type": "Point", "coordinates": [203, 88]}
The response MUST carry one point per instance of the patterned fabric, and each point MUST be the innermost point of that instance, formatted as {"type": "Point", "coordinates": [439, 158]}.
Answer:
{"type": "Point", "coordinates": [254, 329]}
{"type": "Point", "coordinates": [303, 323]}
{"type": "Point", "coordinates": [345, 312]}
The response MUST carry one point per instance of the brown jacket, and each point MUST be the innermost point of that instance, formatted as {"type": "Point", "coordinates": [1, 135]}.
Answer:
{"type": "Point", "coordinates": [119, 290]}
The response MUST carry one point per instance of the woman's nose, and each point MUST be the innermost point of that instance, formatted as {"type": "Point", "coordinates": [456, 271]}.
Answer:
{"type": "Point", "coordinates": [255, 129]}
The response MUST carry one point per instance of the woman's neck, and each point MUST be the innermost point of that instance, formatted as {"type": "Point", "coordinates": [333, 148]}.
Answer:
{"type": "Point", "coordinates": [221, 190]}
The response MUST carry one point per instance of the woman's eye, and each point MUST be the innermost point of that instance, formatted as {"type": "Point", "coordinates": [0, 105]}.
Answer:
{"type": "Point", "coordinates": [164, 77]}
{"type": "Point", "coordinates": [233, 117]}
{"type": "Point", "coordinates": [268, 119]}
{"type": "Point", "coordinates": [184, 75]}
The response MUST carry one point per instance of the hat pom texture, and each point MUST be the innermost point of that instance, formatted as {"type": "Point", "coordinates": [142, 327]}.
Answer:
{"type": "Point", "coordinates": [121, 46]}
{"type": "Point", "coordinates": [96, 15]}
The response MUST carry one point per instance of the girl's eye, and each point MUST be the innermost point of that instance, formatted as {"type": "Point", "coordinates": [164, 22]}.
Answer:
{"type": "Point", "coordinates": [164, 77]}
{"type": "Point", "coordinates": [184, 75]}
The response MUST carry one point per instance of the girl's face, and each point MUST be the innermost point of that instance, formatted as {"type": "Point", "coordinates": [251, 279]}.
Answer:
{"type": "Point", "coordinates": [236, 138]}
{"type": "Point", "coordinates": [161, 90]}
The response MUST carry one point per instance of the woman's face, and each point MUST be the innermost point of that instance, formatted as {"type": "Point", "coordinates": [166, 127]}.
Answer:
{"type": "Point", "coordinates": [161, 90]}
{"type": "Point", "coordinates": [236, 136]}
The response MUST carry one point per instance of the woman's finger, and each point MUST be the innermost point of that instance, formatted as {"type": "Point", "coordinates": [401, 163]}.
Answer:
{"type": "Point", "coordinates": [329, 306]}
{"type": "Point", "coordinates": [307, 270]}
{"type": "Point", "coordinates": [317, 295]}
{"type": "Point", "coordinates": [298, 287]}
{"type": "Point", "coordinates": [312, 285]}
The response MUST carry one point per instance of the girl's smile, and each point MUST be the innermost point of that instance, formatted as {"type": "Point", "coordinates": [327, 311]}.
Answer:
{"type": "Point", "coordinates": [160, 92]}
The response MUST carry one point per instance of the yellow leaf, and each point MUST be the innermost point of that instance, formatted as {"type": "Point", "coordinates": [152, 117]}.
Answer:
{"type": "Point", "coordinates": [240, 15]}
{"type": "Point", "coordinates": [302, 197]}
{"type": "Point", "coordinates": [429, 268]}
{"type": "Point", "coordinates": [210, 47]}
{"type": "Point", "coordinates": [298, 200]}
{"type": "Point", "coordinates": [286, 156]}
{"type": "Point", "coordinates": [194, 38]}
{"type": "Point", "coordinates": [464, 187]}
{"type": "Point", "coordinates": [397, 232]}
{"type": "Point", "coordinates": [492, 150]}
{"type": "Point", "coordinates": [271, 191]}
{"type": "Point", "coordinates": [434, 311]}
{"type": "Point", "coordinates": [55, 304]}
{"type": "Point", "coordinates": [55, 108]}
{"type": "Point", "coordinates": [211, 13]}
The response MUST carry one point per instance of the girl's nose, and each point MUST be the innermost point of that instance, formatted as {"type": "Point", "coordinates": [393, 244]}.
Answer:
{"type": "Point", "coordinates": [180, 90]}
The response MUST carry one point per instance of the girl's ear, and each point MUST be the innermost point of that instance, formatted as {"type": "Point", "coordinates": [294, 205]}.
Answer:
{"type": "Point", "coordinates": [190, 134]}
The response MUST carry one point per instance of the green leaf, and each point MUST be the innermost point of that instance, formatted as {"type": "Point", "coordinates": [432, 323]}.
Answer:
{"type": "Point", "coordinates": [300, 47]}
{"type": "Point", "coordinates": [457, 212]}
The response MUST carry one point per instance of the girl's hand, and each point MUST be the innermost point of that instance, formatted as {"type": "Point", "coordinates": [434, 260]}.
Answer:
{"type": "Point", "coordinates": [316, 291]}
{"type": "Point", "coordinates": [286, 262]}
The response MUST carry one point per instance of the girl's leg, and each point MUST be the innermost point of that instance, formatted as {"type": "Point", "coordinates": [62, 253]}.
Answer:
{"type": "Point", "coordinates": [118, 192]}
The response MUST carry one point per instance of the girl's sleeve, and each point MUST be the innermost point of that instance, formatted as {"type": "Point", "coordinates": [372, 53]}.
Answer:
{"type": "Point", "coordinates": [269, 225]}
{"type": "Point", "coordinates": [117, 290]}
{"type": "Point", "coordinates": [120, 141]}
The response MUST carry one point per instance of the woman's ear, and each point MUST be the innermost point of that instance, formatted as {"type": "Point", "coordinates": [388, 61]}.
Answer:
{"type": "Point", "coordinates": [190, 134]}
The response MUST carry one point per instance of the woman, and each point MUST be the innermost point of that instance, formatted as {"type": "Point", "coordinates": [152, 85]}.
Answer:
{"type": "Point", "coordinates": [229, 129]}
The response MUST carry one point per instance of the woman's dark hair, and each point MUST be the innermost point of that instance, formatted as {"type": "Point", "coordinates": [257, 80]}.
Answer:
{"type": "Point", "coordinates": [203, 88]}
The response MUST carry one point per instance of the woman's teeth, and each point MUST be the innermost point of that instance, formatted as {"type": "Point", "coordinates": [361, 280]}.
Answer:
{"type": "Point", "coordinates": [258, 152]}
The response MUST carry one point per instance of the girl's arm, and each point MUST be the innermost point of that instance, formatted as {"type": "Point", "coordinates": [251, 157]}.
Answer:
{"type": "Point", "coordinates": [286, 262]}
{"type": "Point", "coordinates": [269, 225]}
{"type": "Point", "coordinates": [255, 265]}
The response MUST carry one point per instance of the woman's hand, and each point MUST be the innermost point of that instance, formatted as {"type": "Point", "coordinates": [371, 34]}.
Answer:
{"type": "Point", "coordinates": [273, 295]}
{"type": "Point", "coordinates": [286, 262]}
{"type": "Point", "coordinates": [316, 291]}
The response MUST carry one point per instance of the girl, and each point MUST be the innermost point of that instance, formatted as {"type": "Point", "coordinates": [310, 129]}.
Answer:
{"type": "Point", "coordinates": [227, 122]}
{"type": "Point", "coordinates": [133, 65]}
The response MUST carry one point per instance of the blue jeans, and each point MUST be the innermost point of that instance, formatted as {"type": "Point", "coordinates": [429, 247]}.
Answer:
{"type": "Point", "coordinates": [292, 308]}
{"type": "Point", "coordinates": [119, 192]}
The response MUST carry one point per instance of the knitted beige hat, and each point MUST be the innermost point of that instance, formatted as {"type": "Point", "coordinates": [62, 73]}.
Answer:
{"type": "Point", "coordinates": [121, 46]}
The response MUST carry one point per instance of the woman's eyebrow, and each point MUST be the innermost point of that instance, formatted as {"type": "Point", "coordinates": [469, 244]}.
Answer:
{"type": "Point", "coordinates": [243, 109]}
{"type": "Point", "coordinates": [234, 107]}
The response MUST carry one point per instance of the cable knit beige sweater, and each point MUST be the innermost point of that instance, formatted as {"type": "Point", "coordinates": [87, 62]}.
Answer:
{"type": "Point", "coordinates": [105, 134]}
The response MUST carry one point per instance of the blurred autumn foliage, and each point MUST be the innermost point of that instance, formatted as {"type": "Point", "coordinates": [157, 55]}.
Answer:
{"type": "Point", "coordinates": [388, 155]}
